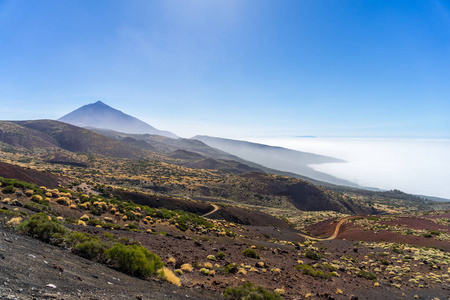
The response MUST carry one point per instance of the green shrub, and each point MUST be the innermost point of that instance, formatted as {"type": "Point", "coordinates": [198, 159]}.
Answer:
{"type": "Point", "coordinates": [74, 238]}
{"type": "Point", "coordinates": [311, 254]}
{"type": "Point", "coordinates": [36, 207]}
{"type": "Point", "coordinates": [230, 268]}
{"type": "Point", "coordinates": [5, 212]}
{"type": "Point", "coordinates": [18, 184]}
{"type": "Point", "coordinates": [43, 227]}
{"type": "Point", "coordinates": [134, 260]}
{"type": "Point", "coordinates": [384, 262]}
{"type": "Point", "coordinates": [327, 266]}
{"type": "Point", "coordinates": [92, 249]}
{"type": "Point", "coordinates": [396, 249]}
{"type": "Point", "coordinates": [367, 275]}
{"type": "Point", "coordinates": [221, 255]}
{"type": "Point", "coordinates": [308, 270]}
{"type": "Point", "coordinates": [250, 253]}
{"type": "Point", "coordinates": [9, 190]}
{"type": "Point", "coordinates": [204, 271]}
{"type": "Point", "coordinates": [248, 291]}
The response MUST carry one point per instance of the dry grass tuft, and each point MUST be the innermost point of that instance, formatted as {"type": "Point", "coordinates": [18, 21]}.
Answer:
{"type": "Point", "coordinates": [208, 265]}
{"type": "Point", "coordinates": [14, 221]}
{"type": "Point", "coordinates": [187, 267]}
{"type": "Point", "coordinates": [171, 277]}
{"type": "Point", "coordinates": [171, 260]}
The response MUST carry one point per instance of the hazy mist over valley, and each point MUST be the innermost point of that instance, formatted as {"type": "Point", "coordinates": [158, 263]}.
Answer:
{"type": "Point", "coordinates": [417, 166]}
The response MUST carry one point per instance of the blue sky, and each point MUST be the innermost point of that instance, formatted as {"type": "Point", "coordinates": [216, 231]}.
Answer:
{"type": "Point", "coordinates": [234, 68]}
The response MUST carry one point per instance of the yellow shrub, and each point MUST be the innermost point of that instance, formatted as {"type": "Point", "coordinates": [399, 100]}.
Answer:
{"type": "Point", "coordinates": [63, 201]}
{"type": "Point", "coordinates": [81, 223]}
{"type": "Point", "coordinates": [208, 265]}
{"type": "Point", "coordinates": [275, 270]}
{"type": "Point", "coordinates": [84, 218]}
{"type": "Point", "coordinates": [187, 267]}
{"type": "Point", "coordinates": [29, 193]}
{"type": "Point", "coordinates": [242, 271]}
{"type": "Point", "coordinates": [85, 205]}
{"type": "Point", "coordinates": [171, 277]}
{"type": "Point", "coordinates": [14, 221]}
{"type": "Point", "coordinates": [280, 291]}
{"type": "Point", "coordinates": [171, 260]}
{"type": "Point", "coordinates": [36, 198]}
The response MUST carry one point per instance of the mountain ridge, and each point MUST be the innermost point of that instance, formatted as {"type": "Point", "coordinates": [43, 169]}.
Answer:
{"type": "Point", "coordinates": [277, 158]}
{"type": "Point", "coordinates": [103, 116]}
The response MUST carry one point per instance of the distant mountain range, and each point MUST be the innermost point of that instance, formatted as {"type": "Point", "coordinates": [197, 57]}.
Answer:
{"type": "Point", "coordinates": [100, 115]}
{"type": "Point", "coordinates": [108, 131]}
{"type": "Point", "coordinates": [277, 158]}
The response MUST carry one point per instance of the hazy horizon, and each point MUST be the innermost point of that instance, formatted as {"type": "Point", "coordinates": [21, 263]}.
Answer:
{"type": "Point", "coordinates": [414, 166]}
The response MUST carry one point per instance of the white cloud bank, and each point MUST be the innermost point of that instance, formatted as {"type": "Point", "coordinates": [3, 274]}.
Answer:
{"type": "Point", "coordinates": [416, 166]}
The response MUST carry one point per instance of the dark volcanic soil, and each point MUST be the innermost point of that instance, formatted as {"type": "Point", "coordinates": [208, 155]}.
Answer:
{"type": "Point", "coordinates": [28, 267]}
{"type": "Point", "coordinates": [30, 175]}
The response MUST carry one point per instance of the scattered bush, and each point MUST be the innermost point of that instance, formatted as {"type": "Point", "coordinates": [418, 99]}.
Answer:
{"type": "Point", "coordinates": [211, 257]}
{"type": "Point", "coordinates": [396, 249]}
{"type": "Point", "coordinates": [248, 291]}
{"type": "Point", "coordinates": [204, 271]}
{"type": "Point", "coordinates": [221, 255]}
{"type": "Point", "coordinates": [230, 268]}
{"type": "Point", "coordinates": [92, 249]}
{"type": "Point", "coordinates": [367, 275]}
{"type": "Point", "coordinates": [308, 270]}
{"type": "Point", "coordinates": [36, 207]}
{"type": "Point", "coordinates": [43, 227]}
{"type": "Point", "coordinates": [134, 260]}
{"type": "Point", "coordinates": [9, 190]}
{"type": "Point", "coordinates": [250, 253]}
{"type": "Point", "coordinates": [434, 232]}
{"type": "Point", "coordinates": [187, 267]}
{"type": "Point", "coordinates": [311, 254]}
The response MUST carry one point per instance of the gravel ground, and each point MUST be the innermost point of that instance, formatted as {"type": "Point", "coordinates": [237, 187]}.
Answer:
{"type": "Point", "coordinates": [30, 269]}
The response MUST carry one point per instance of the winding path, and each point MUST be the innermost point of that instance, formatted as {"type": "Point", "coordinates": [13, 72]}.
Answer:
{"type": "Point", "coordinates": [336, 231]}
{"type": "Point", "coordinates": [216, 208]}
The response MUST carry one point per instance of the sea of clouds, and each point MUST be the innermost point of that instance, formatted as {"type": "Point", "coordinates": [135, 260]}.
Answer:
{"type": "Point", "coordinates": [416, 166]}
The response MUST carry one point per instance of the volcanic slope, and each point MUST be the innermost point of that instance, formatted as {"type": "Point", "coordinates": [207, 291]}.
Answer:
{"type": "Point", "coordinates": [100, 115]}
{"type": "Point", "coordinates": [43, 134]}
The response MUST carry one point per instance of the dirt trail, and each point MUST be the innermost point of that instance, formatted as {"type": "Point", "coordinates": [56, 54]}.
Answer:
{"type": "Point", "coordinates": [216, 208]}
{"type": "Point", "coordinates": [336, 231]}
